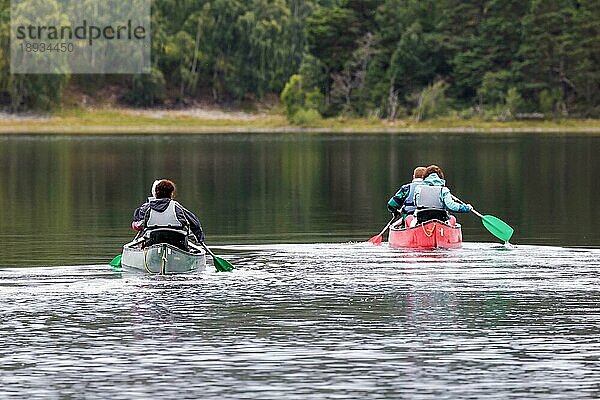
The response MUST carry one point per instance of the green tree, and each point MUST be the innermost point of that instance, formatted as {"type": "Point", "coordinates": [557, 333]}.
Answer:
{"type": "Point", "coordinates": [484, 36]}
{"type": "Point", "coordinates": [494, 87]}
{"type": "Point", "coordinates": [514, 101]}
{"type": "Point", "coordinates": [331, 34]}
{"type": "Point", "coordinates": [584, 50]}
{"type": "Point", "coordinates": [23, 91]}
{"type": "Point", "coordinates": [146, 89]}
{"type": "Point", "coordinates": [431, 101]}
{"type": "Point", "coordinates": [411, 53]}
{"type": "Point", "coordinates": [293, 95]}
{"type": "Point", "coordinates": [296, 98]}
{"type": "Point", "coordinates": [545, 54]}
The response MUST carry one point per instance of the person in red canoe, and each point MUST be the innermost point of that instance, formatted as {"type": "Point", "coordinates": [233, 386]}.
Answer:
{"type": "Point", "coordinates": [163, 220]}
{"type": "Point", "coordinates": [403, 202]}
{"type": "Point", "coordinates": [433, 199]}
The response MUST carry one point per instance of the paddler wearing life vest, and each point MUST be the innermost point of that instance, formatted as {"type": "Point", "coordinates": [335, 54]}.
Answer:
{"type": "Point", "coordinates": [162, 219]}
{"type": "Point", "coordinates": [403, 202]}
{"type": "Point", "coordinates": [433, 199]}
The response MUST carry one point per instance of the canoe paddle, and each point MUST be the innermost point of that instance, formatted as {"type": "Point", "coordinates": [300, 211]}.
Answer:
{"type": "Point", "coordinates": [116, 262]}
{"type": "Point", "coordinates": [220, 264]}
{"type": "Point", "coordinates": [494, 225]}
{"type": "Point", "coordinates": [376, 240]}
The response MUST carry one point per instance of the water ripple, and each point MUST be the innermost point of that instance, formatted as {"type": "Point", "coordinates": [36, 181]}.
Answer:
{"type": "Point", "coordinates": [313, 321]}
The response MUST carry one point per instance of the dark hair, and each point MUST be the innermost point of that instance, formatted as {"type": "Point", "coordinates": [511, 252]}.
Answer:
{"type": "Point", "coordinates": [165, 189]}
{"type": "Point", "coordinates": [433, 169]}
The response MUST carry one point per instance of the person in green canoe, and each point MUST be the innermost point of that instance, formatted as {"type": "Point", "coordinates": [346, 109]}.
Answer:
{"type": "Point", "coordinates": [403, 202]}
{"type": "Point", "coordinates": [164, 220]}
{"type": "Point", "coordinates": [433, 199]}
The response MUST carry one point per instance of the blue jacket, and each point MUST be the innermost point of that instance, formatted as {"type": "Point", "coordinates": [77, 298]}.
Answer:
{"type": "Point", "coordinates": [445, 195]}
{"type": "Point", "coordinates": [404, 199]}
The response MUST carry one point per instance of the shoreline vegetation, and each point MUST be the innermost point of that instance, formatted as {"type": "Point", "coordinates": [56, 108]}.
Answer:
{"type": "Point", "coordinates": [327, 66]}
{"type": "Point", "coordinates": [207, 120]}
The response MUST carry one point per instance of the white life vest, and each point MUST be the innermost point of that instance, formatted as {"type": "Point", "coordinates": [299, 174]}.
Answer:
{"type": "Point", "coordinates": [166, 220]}
{"type": "Point", "coordinates": [430, 197]}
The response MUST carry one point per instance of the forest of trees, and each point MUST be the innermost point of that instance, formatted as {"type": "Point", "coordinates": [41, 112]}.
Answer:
{"type": "Point", "coordinates": [370, 58]}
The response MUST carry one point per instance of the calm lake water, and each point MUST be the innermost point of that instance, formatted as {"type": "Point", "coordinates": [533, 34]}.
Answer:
{"type": "Point", "coordinates": [311, 310]}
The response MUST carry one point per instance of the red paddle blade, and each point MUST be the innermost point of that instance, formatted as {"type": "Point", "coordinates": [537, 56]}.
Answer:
{"type": "Point", "coordinates": [376, 240]}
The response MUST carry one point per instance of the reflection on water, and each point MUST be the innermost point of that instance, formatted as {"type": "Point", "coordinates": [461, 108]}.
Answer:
{"type": "Point", "coordinates": [311, 321]}
{"type": "Point", "coordinates": [69, 200]}
{"type": "Point", "coordinates": [335, 320]}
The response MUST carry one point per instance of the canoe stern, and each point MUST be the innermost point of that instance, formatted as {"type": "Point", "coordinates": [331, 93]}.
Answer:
{"type": "Point", "coordinates": [429, 235]}
{"type": "Point", "coordinates": [163, 259]}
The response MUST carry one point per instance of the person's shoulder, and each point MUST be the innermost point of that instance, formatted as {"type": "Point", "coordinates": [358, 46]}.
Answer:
{"type": "Point", "coordinates": [143, 206]}
{"type": "Point", "coordinates": [178, 204]}
{"type": "Point", "coordinates": [445, 192]}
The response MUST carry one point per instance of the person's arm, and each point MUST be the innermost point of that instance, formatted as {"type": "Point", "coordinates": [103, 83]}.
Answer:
{"type": "Point", "coordinates": [138, 217]}
{"type": "Point", "coordinates": [195, 226]}
{"type": "Point", "coordinates": [397, 201]}
{"type": "Point", "coordinates": [137, 226]}
{"type": "Point", "coordinates": [453, 205]}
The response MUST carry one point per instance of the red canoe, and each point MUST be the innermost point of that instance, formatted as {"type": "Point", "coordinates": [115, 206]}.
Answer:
{"type": "Point", "coordinates": [429, 235]}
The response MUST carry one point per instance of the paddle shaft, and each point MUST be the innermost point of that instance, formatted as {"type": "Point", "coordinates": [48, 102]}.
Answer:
{"type": "Point", "coordinates": [193, 245]}
{"type": "Point", "coordinates": [221, 264]}
{"type": "Point", "coordinates": [494, 225]}
{"type": "Point", "coordinates": [208, 250]}
{"type": "Point", "coordinates": [387, 226]}
{"type": "Point", "coordinates": [474, 211]}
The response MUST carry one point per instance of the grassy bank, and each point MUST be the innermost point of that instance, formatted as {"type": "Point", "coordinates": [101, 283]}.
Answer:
{"type": "Point", "coordinates": [125, 121]}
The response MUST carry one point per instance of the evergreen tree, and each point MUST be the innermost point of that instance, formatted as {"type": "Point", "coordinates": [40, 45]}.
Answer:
{"type": "Point", "coordinates": [545, 66]}
{"type": "Point", "coordinates": [360, 57]}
